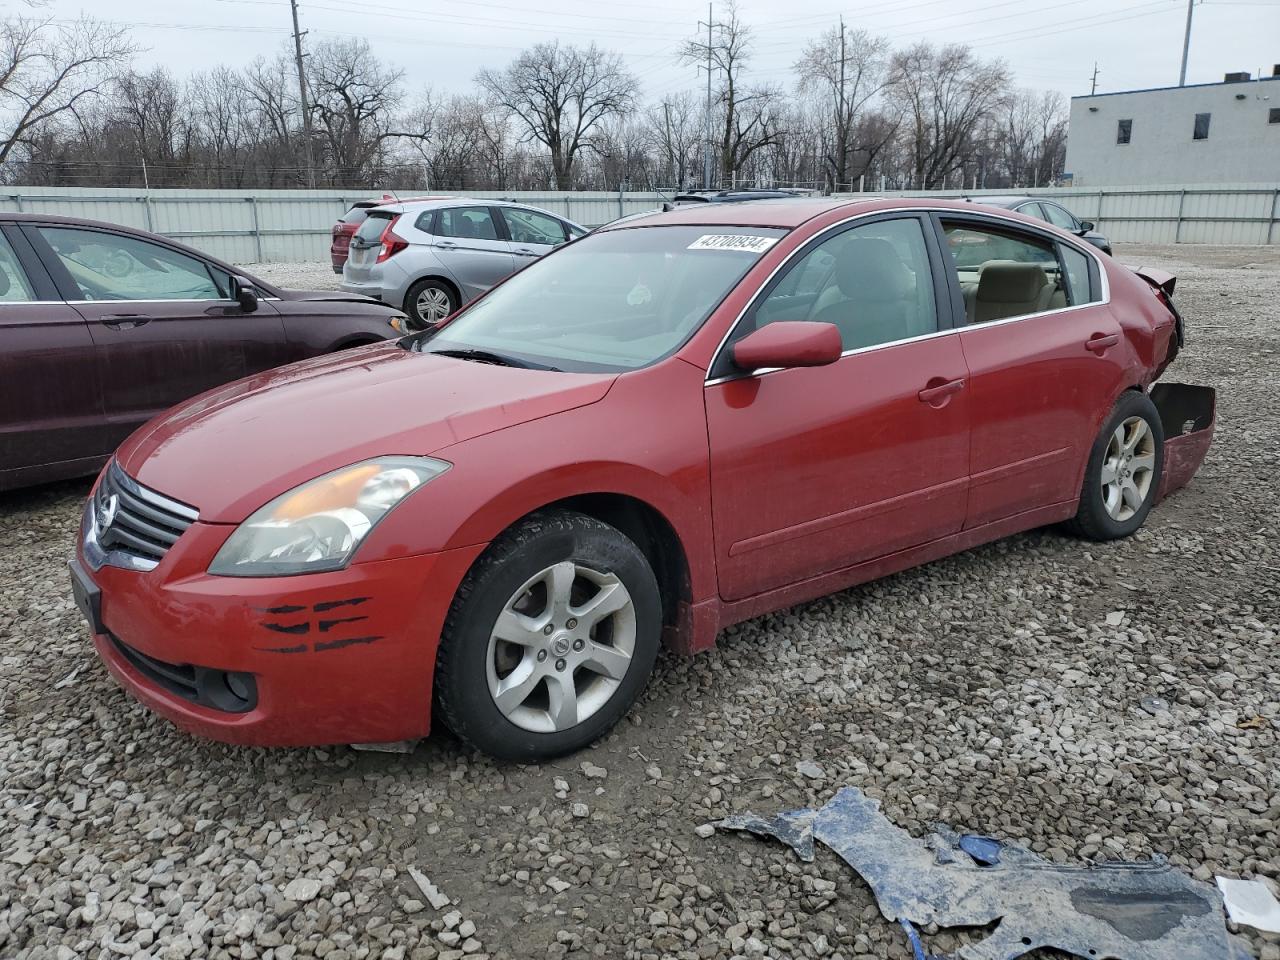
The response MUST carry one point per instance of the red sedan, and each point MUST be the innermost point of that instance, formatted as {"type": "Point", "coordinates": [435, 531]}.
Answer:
{"type": "Point", "coordinates": [674, 424]}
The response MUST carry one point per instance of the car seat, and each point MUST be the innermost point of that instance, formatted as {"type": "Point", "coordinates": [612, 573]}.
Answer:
{"type": "Point", "coordinates": [877, 290]}
{"type": "Point", "coordinates": [1007, 288]}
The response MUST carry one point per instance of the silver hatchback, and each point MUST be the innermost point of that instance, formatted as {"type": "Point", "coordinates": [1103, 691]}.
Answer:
{"type": "Point", "coordinates": [430, 257]}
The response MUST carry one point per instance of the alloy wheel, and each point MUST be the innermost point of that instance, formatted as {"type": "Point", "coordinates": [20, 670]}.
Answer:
{"type": "Point", "coordinates": [433, 305]}
{"type": "Point", "coordinates": [1128, 469]}
{"type": "Point", "coordinates": [561, 647]}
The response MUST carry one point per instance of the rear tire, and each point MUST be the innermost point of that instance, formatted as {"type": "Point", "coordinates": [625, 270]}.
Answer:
{"type": "Point", "coordinates": [1122, 478]}
{"type": "Point", "coordinates": [550, 639]}
{"type": "Point", "coordinates": [429, 301]}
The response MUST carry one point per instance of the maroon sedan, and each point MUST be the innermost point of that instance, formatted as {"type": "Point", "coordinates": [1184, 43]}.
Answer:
{"type": "Point", "coordinates": [102, 327]}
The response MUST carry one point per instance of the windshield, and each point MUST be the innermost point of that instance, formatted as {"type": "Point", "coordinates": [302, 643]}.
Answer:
{"type": "Point", "coordinates": [616, 300]}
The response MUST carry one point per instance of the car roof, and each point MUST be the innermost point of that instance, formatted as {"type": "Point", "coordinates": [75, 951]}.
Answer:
{"type": "Point", "coordinates": [784, 213]}
{"type": "Point", "coordinates": [1010, 201]}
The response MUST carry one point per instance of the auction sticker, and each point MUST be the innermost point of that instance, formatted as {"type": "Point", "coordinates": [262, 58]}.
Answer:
{"type": "Point", "coordinates": [741, 242]}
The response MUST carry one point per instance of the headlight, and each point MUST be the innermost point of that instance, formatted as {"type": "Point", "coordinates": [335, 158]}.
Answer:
{"type": "Point", "coordinates": [318, 525]}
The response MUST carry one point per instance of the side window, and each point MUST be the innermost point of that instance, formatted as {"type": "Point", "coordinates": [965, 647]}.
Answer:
{"type": "Point", "coordinates": [1059, 217]}
{"type": "Point", "coordinates": [109, 266]}
{"type": "Point", "coordinates": [423, 222]}
{"type": "Point", "coordinates": [467, 223]}
{"type": "Point", "coordinates": [874, 282]}
{"type": "Point", "coordinates": [1079, 286]}
{"type": "Point", "coordinates": [14, 286]}
{"type": "Point", "coordinates": [1004, 274]}
{"type": "Point", "coordinates": [575, 232]}
{"type": "Point", "coordinates": [530, 226]}
{"type": "Point", "coordinates": [1032, 210]}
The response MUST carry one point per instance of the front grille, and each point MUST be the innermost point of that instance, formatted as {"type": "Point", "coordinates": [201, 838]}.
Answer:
{"type": "Point", "coordinates": [133, 520]}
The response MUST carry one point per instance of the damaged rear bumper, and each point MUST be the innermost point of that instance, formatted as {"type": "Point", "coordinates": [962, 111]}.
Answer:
{"type": "Point", "coordinates": [1188, 413]}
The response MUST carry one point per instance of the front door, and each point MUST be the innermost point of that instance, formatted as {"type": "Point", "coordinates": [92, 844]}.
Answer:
{"type": "Point", "coordinates": [1045, 360]}
{"type": "Point", "coordinates": [163, 325]}
{"type": "Point", "coordinates": [470, 246]}
{"type": "Point", "coordinates": [50, 403]}
{"type": "Point", "coordinates": [816, 469]}
{"type": "Point", "coordinates": [533, 233]}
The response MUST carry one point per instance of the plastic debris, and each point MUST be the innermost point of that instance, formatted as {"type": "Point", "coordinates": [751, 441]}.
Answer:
{"type": "Point", "coordinates": [429, 890]}
{"type": "Point", "coordinates": [1250, 904]}
{"type": "Point", "coordinates": [1126, 911]}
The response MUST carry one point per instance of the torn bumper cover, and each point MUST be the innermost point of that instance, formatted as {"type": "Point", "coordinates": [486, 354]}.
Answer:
{"type": "Point", "coordinates": [1129, 911]}
{"type": "Point", "coordinates": [1188, 414]}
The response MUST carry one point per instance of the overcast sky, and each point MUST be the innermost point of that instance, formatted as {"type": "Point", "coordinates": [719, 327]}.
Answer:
{"type": "Point", "coordinates": [441, 43]}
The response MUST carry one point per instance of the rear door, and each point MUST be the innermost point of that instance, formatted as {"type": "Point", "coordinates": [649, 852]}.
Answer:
{"type": "Point", "coordinates": [50, 401]}
{"type": "Point", "coordinates": [1045, 358]}
{"type": "Point", "coordinates": [532, 232]}
{"type": "Point", "coordinates": [163, 325]}
{"type": "Point", "coordinates": [471, 244]}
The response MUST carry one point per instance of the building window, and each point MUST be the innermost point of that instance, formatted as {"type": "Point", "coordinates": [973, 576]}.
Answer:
{"type": "Point", "coordinates": [1123, 131]}
{"type": "Point", "coordinates": [1273, 116]}
{"type": "Point", "coordinates": [1202, 127]}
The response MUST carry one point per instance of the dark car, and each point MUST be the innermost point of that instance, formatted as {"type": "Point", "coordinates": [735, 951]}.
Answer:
{"type": "Point", "coordinates": [733, 196]}
{"type": "Point", "coordinates": [103, 326]}
{"type": "Point", "coordinates": [1051, 212]}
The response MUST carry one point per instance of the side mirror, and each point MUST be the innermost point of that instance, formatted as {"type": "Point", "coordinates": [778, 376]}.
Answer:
{"type": "Point", "coordinates": [789, 343]}
{"type": "Point", "coordinates": [1086, 226]}
{"type": "Point", "coordinates": [244, 293]}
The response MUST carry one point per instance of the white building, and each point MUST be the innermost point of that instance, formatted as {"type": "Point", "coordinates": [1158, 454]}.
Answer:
{"type": "Point", "coordinates": [1207, 133]}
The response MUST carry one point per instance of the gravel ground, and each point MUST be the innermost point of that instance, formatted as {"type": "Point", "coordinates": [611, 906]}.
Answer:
{"type": "Point", "coordinates": [1000, 690]}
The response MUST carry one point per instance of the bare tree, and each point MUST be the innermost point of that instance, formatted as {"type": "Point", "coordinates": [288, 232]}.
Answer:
{"type": "Point", "coordinates": [944, 94]}
{"type": "Point", "coordinates": [846, 70]}
{"type": "Point", "coordinates": [560, 95]}
{"type": "Point", "coordinates": [676, 133]}
{"type": "Point", "coordinates": [747, 114]}
{"type": "Point", "coordinates": [49, 69]}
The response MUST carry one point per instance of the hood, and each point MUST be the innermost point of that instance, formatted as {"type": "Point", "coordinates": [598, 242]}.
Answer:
{"type": "Point", "coordinates": [227, 452]}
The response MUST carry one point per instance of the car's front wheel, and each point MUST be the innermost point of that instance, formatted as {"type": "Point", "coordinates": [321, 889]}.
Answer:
{"type": "Point", "coordinates": [1122, 478]}
{"type": "Point", "coordinates": [429, 301]}
{"type": "Point", "coordinates": [550, 639]}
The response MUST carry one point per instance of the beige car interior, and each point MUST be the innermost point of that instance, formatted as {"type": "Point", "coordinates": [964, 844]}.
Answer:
{"type": "Point", "coordinates": [1007, 288]}
{"type": "Point", "coordinates": [873, 296]}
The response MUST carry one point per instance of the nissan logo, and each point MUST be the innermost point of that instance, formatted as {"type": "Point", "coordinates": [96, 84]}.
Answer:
{"type": "Point", "coordinates": [105, 515]}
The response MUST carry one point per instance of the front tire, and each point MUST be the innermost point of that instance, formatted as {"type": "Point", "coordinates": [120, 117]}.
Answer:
{"type": "Point", "coordinates": [1123, 475]}
{"type": "Point", "coordinates": [429, 301]}
{"type": "Point", "coordinates": [550, 639]}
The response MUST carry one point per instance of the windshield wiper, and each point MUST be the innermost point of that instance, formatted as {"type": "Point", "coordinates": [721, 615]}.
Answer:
{"type": "Point", "coordinates": [489, 356]}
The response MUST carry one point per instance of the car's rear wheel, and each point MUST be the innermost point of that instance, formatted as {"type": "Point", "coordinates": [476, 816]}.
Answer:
{"type": "Point", "coordinates": [429, 301]}
{"type": "Point", "coordinates": [1123, 475]}
{"type": "Point", "coordinates": [550, 639]}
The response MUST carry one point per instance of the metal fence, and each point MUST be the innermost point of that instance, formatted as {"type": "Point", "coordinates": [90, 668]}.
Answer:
{"type": "Point", "coordinates": [293, 225]}
{"type": "Point", "coordinates": [1244, 214]}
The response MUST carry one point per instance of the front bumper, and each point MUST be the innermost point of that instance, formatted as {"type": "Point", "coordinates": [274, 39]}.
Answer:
{"type": "Point", "coordinates": [341, 657]}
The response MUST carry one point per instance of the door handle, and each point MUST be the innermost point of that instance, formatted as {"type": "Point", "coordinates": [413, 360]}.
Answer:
{"type": "Point", "coordinates": [1099, 342]}
{"type": "Point", "coordinates": [125, 321]}
{"type": "Point", "coordinates": [446, 244]}
{"type": "Point", "coordinates": [938, 394]}
{"type": "Point", "coordinates": [526, 253]}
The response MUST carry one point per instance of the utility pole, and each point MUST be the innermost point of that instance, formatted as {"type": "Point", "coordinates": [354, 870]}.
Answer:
{"type": "Point", "coordinates": [302, 97]}
{"type": "Point", "coordinates": [1186, 44]}
{"type": "Point", "coordinates": [1093, 88]}
{"type": "Point", "coordinates": [706, 152]}
{"type": "Point", "coordinates": [841, 129]}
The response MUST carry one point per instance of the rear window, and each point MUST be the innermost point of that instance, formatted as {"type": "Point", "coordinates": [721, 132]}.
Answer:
{"type": "Point", "coordinates": [355, 215]}
{"type": "Point", "coordinates": [374, 224]}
